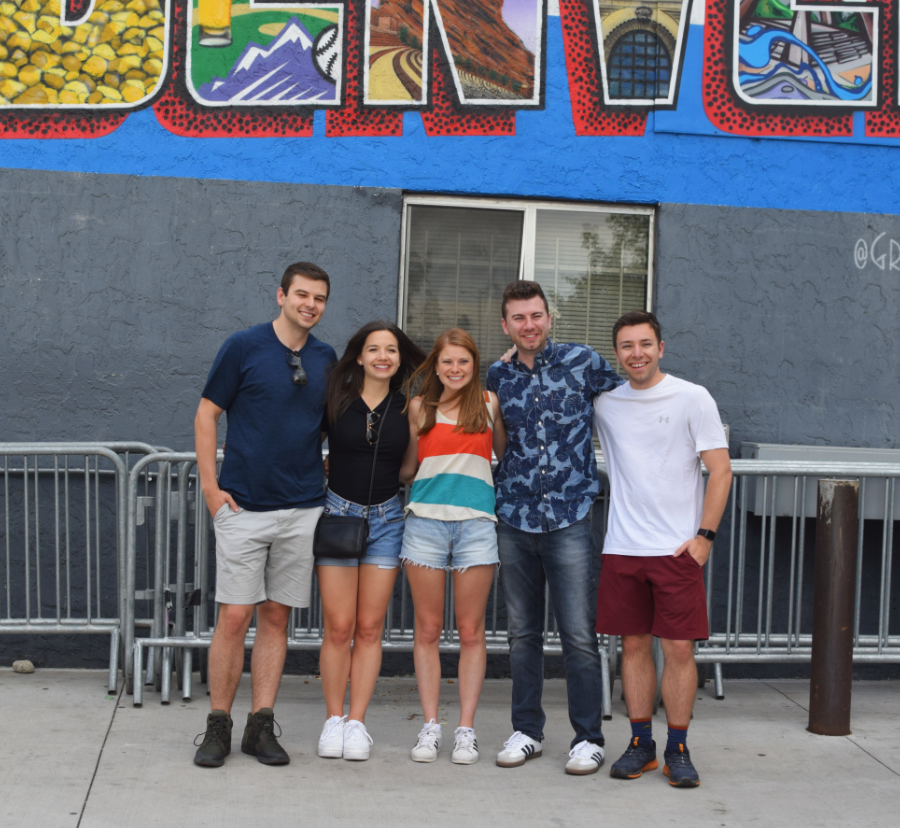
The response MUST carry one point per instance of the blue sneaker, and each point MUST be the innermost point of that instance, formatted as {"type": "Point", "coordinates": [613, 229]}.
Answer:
{"type": "Point", "coordinates": [680, 769]}
{"type": "Point", "coordinates": [635, 760]}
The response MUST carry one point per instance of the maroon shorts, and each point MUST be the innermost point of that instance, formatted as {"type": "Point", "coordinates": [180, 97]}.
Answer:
{"type": "Point", "coordinates": [661, 595]}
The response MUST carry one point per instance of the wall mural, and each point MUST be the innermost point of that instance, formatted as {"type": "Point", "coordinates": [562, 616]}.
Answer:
{"type": "Point", "coordinates": [493, 50]}
{"type": "Point", "coordinates": [806, 55]}
{"type": "Point", "coordinates": [264, 54]}
{"type": "Point", "coordinates": [641, 49]}
{"type": "Point", "coordinates": [787, 68]}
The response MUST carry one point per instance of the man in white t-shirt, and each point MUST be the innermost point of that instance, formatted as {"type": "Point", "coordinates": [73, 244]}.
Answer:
{"type": "Point", "coordinates": [654, 431]}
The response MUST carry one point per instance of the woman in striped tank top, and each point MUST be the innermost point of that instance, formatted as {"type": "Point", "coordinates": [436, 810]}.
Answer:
{"type": "Point", "coordinates": [451, 526]}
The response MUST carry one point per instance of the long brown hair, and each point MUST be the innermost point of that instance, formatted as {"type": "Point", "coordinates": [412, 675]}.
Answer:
{"type": "Point", "coordinates": [346, 377]}
{"type": "Point", "coordinates": [472, 417]}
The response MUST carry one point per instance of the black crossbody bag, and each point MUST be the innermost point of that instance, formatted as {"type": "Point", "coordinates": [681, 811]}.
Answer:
{"type": "Point", "coordinates": [345, 536]}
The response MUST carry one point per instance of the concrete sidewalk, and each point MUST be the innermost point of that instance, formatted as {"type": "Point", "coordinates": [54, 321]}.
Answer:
{"type": "Point", "coordinates": [75, 756]}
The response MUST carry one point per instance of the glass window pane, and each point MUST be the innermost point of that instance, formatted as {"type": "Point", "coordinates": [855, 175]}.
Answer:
{"type": "Point", "coordinates": [593, 268]}
{"type": "Point", "coordinates": [459, 260]}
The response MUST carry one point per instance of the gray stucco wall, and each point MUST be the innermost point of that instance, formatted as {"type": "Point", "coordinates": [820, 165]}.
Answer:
{"type": "Point", "coordinates": [117, 291]}
{"type": "Point", "coordinates": [770, 311]}
{"type": "Point", "coordinates": [790, 319]}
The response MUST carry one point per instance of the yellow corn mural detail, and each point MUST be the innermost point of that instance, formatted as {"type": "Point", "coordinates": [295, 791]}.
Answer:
{"type": "Point", "coordinates": [115, 57]}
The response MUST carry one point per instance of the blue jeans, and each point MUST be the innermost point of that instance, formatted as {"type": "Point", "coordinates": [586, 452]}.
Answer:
{"type": "Point", "coordinates": [561, 559]}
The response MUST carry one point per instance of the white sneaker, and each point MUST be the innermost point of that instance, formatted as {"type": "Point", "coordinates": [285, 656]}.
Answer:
{"type": "Point", "coordinates": [517, 749]}
{"type": "Point", "coordinates": [465, 747]}
{"type": "Point", "coordinates": [428, 744]}
{"type": "Point", "coordinates": [585, 758]}
{"type": "Point", "coordinates": [356, 740]}
{"type": "Point", "coordinates": [331, 742]}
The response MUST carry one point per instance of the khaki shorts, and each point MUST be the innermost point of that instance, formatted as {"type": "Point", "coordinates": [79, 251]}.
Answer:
{"type": "Point", "coordinates": [264, 555]}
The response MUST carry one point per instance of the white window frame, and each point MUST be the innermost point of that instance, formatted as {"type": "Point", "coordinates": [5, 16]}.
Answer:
{"type": "Point", "coordinates": [529, 208]}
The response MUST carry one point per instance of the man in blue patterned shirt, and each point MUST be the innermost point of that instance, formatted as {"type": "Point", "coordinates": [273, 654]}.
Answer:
{"type": "Point", "coordinates": [546, 484]}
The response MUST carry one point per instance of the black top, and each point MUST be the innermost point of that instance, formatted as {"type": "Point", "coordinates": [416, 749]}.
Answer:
{"type": "Point", "coordinates": [350, 455]}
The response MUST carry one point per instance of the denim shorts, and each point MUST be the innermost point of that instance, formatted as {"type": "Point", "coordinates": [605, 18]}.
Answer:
{"type": "Point", "coordinates": [385, 531]}
{"type": "Point", "coordinates": [449, 544]}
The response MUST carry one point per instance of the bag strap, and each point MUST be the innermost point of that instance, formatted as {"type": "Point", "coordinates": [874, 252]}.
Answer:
{"type": "Point", "coordinates": [387, 408]}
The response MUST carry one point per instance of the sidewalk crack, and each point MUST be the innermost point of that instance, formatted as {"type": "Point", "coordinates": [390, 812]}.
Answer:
{"type": "Point", "coordinates": [848, 738]}
{"type": "Point", "coordinates": [777, 690]}
{"type": "Point", "coordinates": [112, 718]}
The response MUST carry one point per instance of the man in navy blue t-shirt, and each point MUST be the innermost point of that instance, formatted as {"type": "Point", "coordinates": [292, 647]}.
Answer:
{"type": "Point", "coordinates": [270, 381]}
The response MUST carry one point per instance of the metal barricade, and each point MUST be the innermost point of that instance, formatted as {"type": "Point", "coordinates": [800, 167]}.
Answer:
{"type": "Point", "coordinates": [178, 544]}
{"type": "Point", "coordinates": [768, 543]}
{"type": "Point", "coordinates": [64, 539]}
{"type": "Point", "coordinates": [760, 573]}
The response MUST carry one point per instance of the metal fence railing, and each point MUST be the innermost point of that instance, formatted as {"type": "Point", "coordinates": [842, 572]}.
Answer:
{"type": "Point", "coordinates": [63, 539]}
{"type": "Point", "coordinates": [169, 561]}
{"type": "Point", "coordinates": [760, 577]}
{"type": "Point", "coordinates": [114, 538]}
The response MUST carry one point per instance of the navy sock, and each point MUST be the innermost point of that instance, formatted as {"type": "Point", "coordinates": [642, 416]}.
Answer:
{"type": "Point", "coordinates": [642, 730]}
{"type": "Point", "coordinates": [677, 736]}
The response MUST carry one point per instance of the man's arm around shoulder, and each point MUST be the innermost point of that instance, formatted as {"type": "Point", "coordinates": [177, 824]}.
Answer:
{"type": "Point", "coordinates": [206, 443]}
{"type": "Point", "coordinates": [603, 376]}
{"type": "Point", "coordinates": [718, 487]}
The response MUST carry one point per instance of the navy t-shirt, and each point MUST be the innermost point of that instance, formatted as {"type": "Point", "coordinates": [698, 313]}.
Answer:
{"type": "Point", "coordinates": [273, 453]}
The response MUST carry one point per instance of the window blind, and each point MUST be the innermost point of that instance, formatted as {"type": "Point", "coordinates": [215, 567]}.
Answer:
{"type": "Point", "coordinates": [459, 261]}
{"type": "Point", "coordinates": [593, 268]}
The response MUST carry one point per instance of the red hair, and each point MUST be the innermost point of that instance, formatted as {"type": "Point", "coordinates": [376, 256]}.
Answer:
{"type": "Point", "coordinates": [472, 417]}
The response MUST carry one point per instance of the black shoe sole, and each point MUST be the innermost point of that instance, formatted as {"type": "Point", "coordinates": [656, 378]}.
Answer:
{"type": "Point", "coordinates": [266, 760]}
{"type": "Point", "coordinates": [209, 762]}
{"type": "Point", "coordinates": [684, 783]}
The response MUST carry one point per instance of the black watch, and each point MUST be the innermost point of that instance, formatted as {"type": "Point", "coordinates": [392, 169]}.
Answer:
{"type": "Point", "coordinates": [707, 533]}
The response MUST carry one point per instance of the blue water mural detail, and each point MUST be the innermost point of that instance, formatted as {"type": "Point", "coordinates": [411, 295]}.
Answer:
{"type": "Point", "coordinates": [756, 53]}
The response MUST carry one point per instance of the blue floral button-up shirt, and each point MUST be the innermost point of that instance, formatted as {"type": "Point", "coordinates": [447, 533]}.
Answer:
{"type": "Point", "coordinates": [547, 478]}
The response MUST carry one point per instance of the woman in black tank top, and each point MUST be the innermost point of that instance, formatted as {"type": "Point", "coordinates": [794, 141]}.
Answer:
{"type": "Point", "coordinates": [364, 408]}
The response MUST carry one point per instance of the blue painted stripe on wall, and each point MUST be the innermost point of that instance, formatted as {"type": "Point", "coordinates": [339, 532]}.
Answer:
{"type": "Point", "coordinates": [545, 159]}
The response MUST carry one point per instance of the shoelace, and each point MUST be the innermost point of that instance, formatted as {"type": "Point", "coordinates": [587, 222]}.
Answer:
{"type": "Point", "coordinates": [464, 739]}
{"type": "Point", "coordinates": [267, 729]}
{"type": "Point", "coordinates": [516, 741]}
{"type": "Point", "coordinates": [680, 758]}
{"type": "Point", "coordinates": [633, 748]}
{"type": "Point", "coordinates": [214, 731]}
{"type": "Point", "coordinates": [333, 724]}
{"type": "Point", "coordinates": [429, 735]}
{"type": "Point", "coordinates": [585, 749]}
{"type": "Point", "coordinates": [356, 730]}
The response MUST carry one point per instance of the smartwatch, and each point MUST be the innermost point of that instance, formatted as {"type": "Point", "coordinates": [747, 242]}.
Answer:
{"type": "Point", "coordinates": [707, 533]}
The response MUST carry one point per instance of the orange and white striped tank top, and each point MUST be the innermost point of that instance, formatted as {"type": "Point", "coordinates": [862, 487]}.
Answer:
{"type": "Point", "coordinates": [454, 481]}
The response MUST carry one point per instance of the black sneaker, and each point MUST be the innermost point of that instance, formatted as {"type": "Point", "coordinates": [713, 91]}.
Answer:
{"type": "Point", "coordinates": [635, 760]}
{"type": "Point", "coordinates": [216, 744]}
{"type": "Point", "coordinates": [259, 738]}
{"type": "Point", "coordinates": [680, 769]}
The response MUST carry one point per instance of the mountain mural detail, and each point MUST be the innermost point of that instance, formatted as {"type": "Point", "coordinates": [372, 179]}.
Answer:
{"type": "Point", "coordinates": [285, 71]}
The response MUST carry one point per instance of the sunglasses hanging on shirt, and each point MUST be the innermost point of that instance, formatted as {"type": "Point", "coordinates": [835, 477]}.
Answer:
{"type": "Point", "coordinates": [371, 421]}
{"type": "Point", "coordinates": [299, 375]}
